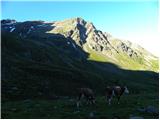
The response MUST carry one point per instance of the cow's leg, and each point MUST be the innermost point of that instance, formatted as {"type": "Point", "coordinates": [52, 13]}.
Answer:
{"type": "Point", "coordinates": [106, 97]}
{"type": "Point", "coordinates": [93, 102]}
{"type": "Point", "coordinates": [109, 101]}
{"type": "Point", "coordinates": [78, 103]}
{"type": "Point", "coordinates": [79, 98]}
{"type": "Point", "coordinates": [109, 98]}
{"type": "Point", "coordinates": [118, 99]}
{"type": "Point", "coordinates": [88, 101]}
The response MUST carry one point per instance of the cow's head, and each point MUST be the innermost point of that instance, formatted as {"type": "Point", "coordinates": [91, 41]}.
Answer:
{"type": "Point", "coordinates": [126, 90]}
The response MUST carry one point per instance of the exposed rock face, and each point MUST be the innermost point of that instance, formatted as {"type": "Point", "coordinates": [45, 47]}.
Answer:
{"type": "Point", "coordinates": [87, 37]}
{"type": "Point", "coordinates": [84, 35]}
{"type": "Point", "coordinates": [83, 32]}
{"type": "Point", "coordinates": [129, 51]}
{"type": "Point", "coordinates": [56, 56]}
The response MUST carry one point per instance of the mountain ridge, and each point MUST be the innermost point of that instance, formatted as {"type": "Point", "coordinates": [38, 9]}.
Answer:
{"type": "Point", "coordinates": [100, 41]}
{"type": "Point", "coordinates": [43, 60]}
{"type": "Point", "coordinates": [91, 40]}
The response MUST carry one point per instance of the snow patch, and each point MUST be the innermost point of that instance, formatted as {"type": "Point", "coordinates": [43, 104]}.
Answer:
{"type": "Point", "coordinates": [73, 45]}
{"type": "Point", "coordinates": [8, 23]}
{"type": "Point", "coordinates": [32, 27]}
{"type": "Point", "coordinates": [29, 31]}
{"type": "Point", "coordinates": [68, 43]}
{"type": "Point", "coordinates": [12, 29]}
{"type": "Point", "coordinates": [42, 25]}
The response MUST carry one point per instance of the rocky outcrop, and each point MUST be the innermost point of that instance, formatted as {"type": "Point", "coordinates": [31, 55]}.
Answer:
{"type": "Point", "coordinates": [129, 51]}
{"type": "Point", "coordinates": [83, 34]}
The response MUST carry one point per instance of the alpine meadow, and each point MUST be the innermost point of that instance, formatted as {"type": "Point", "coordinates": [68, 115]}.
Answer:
{"type": "Point", "coordinates": [54, 70]}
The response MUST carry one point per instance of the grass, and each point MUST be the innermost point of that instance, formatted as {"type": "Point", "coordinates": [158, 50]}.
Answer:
{"type": "Point", "coordinates": [124, 61]}
{"type": "Point", "coordinates": [129, 63]}
{"type": "Point", "coordinates": [39, 71]}
{"type": "Point", "coordinates": [155, 65]}
{"type": "Point", "coordinates": [93, 55]}
{"type": "Point", "coordinates": [66, 108]}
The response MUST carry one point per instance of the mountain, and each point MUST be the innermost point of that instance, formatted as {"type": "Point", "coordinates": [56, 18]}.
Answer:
{"type": "Point", "coordinates": [103, 47]}
{"type": "Point", "coordinates": [45, 59]}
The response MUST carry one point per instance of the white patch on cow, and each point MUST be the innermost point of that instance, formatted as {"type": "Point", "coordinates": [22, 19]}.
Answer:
{"type": "Point", "coordinates": [126, 90]}
{"type": "Point", "coordinates": [12, 29]}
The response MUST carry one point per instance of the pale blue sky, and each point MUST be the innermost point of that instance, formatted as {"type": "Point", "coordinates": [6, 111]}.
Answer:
{"type": "Point", "coordinates": [135, 21]}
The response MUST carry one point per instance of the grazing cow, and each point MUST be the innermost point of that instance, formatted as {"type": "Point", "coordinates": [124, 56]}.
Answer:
{"type": "Point", "coordinates": [88, 94]}
{"type": "Point", "coordinates": [115, 91]}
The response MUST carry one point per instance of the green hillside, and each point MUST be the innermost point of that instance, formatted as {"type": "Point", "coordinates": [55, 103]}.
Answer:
{"type": "Point", "coordinates": [42, 70]}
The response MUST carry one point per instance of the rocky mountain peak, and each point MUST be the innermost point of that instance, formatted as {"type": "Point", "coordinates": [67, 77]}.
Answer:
{"type": "Point", "coordinates": [83, 34]}
{"type": "Point", "coordinates": [80, 21]}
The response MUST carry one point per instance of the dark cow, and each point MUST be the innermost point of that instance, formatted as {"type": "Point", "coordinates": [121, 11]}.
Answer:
{"type": "Point", "coordinates": [115, 91]}
{"type": "Point", "coordinates": [88, 94]}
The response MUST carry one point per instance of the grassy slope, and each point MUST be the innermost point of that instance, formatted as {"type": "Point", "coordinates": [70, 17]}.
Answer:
{"type": "Point", "coordinates": [136, 63]}
{"type": "Point", "coordinates": [124, 61]}
{"type": "Point", "coordinates": [66, 108]}
{"type": "Point", "coordinates": [62, 77]}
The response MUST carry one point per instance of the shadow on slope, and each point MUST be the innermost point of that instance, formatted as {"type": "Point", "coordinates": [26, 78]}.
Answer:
{"type": "Point", "coordinates": [50, 65]}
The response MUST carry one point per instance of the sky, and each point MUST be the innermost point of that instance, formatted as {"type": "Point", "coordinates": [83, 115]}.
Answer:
{"type": "Point", "coordinates": [134, 21]}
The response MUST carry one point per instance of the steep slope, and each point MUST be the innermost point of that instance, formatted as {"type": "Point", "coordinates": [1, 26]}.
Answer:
{"type": "Point", "coordinates": [99, 45]}
{"type": "Point", "coordinates": [103, 47]}
{"type": "Point", "coordinates": [41, 61]}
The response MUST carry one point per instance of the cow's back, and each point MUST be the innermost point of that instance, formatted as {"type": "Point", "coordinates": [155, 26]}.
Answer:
{"type": "Point", "coordinates": [108, 91]}
{"type": "Point", "coordinates": [86, 91]}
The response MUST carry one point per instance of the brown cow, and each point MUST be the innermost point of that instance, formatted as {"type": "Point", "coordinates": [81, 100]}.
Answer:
{"type": "Point", "coordinates": [88, 94]}
{"type": "Point", "coordinates": [115, 91]}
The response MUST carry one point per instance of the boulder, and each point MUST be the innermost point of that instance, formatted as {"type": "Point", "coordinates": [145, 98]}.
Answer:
{"type": "Point", "coordinates": [151, 109]}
